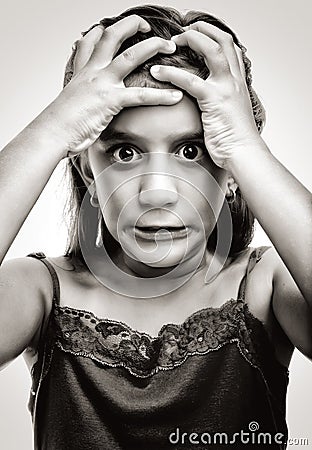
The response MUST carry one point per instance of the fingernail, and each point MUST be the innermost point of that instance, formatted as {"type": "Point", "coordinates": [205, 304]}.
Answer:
{"type": "Point", "coordinates": [155, 69]}
{"type": "Point", "coordinates": [145, 26]}
{"type": "Point", "coordinates": [177, 94]}
{"type": "Point", "coordinates": [171, 45]}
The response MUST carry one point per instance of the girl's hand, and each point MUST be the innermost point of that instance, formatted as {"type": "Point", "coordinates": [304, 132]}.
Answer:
{"type": "Point", "coordinates": [96, 92]}
{"type": "Point", "coordinates": [223, 98]}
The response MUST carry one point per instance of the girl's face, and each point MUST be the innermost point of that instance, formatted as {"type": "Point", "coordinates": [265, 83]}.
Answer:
{"type": "Point", "coordinates": [159, 191]}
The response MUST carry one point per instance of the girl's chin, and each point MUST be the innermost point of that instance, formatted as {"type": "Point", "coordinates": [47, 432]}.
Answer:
{"type": "Point", "coordinates": [163, 256]}
{"type": "Point", "coordinates": [159, 260]}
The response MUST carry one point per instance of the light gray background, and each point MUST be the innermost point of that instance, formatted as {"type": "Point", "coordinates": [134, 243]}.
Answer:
{"type": "Point", "coordinates": [36, 38]}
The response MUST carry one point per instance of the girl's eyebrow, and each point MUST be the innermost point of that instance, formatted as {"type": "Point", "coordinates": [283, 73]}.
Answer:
{"type": "Point", "coordinates": [111, 134]}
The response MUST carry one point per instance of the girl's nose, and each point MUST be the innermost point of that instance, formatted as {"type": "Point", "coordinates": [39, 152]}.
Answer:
{"type": "Point", "coordinates": [158, 190]}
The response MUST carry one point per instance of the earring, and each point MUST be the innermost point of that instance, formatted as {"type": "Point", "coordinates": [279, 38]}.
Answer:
{"type": "Point", "coordinates": [99, 237]}
{"type": "Point", "coordinates": [94, 200]}
{"type": "Point", "coordinates": [231, 198]}
{"type": "Point", "coordinates": [95, 203]}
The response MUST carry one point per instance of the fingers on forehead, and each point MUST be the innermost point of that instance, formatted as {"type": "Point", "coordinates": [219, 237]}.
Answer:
{"type": "Point", "coordinates": [181, 78]}
{"type": "Point", "coordinates": [134, 96]}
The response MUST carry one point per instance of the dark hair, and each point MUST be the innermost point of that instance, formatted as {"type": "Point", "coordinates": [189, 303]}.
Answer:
{"type": "Point", "coordinates": [165, 22]}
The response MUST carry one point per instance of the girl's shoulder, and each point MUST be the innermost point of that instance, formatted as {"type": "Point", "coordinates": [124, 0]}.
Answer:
{"type": "Point", "coordinates": [26, 281]}
{"type": "Point", "coordinates": [25, 298]}
{"type": "Point", "coordinates": [37, 279]}
{"type": "Point", "coordinates": [273, 296]}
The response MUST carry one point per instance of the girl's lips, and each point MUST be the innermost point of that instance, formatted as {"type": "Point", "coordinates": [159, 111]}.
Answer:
{"type": "Point", "coordinates": [161, 233]}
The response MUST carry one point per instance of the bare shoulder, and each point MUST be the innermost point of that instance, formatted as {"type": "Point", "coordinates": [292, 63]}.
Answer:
{"type": "Point", "coordinates": [25, 301]}
{"type": "Point", "coordinates": [22, 266]}
{"type": "Point", "coordinates": [291, 309]}
{"type": "Point", "coordinates": [270, 281]}
{"type": "Point", "coordinates": [269, 260]}
{"type": "Point", "coordinates": [282, 280]}
{"type": "Point", "coordinates": [287, 313]}
{"type": "Point", "coordinates": [271, 266]}
{"type": "Point", "coordinates": [26, 281]}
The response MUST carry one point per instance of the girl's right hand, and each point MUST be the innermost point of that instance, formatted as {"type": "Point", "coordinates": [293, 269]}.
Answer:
{"type": "Point", "coordinates": [97, 92]}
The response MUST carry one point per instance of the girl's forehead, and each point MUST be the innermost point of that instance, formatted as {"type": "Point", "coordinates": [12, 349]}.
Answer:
{"type": "Point", "coordinates": [156, 122]}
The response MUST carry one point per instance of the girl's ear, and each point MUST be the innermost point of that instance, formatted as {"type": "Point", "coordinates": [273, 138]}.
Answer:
{"type": "Point", "coordinates": [231, 186]}
{"type": "Point", "coordinates": [82, 165]}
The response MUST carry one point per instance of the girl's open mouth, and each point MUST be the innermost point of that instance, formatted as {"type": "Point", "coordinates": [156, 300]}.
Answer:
{"type": "Point", "coordinates": [161, 233]}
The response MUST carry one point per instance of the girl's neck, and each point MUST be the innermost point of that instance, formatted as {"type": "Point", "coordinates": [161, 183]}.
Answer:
{"type": "Point", "coordinates": [191, 266]}
{"type": "Point", "coordinates": [189, 271]}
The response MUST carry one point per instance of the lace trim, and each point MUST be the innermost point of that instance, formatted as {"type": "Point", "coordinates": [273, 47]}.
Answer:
{"type": "Point", "coordinates": [116, 344]}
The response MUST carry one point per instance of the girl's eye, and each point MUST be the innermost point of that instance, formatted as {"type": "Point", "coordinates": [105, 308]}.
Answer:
{"type": "Point", "coordinates": [192, 152]}
{"type": "Point", "coordinates": [125, 154]}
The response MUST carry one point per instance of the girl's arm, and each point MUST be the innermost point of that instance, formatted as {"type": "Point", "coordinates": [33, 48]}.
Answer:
{"type": "Point", "coordinates": [26, 165]}
{"type": "Point", "coordinates": [69, 125]}
{"type": "Point", "coordinates": [282, 205]}
{"type": "Point", "coordinates": [25, 302]}
{"type": "Point", "coordinates": [279, 201]}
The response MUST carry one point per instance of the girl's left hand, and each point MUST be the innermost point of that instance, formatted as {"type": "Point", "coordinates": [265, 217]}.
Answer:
{"type": "Point", "coordinates": [223, 98]}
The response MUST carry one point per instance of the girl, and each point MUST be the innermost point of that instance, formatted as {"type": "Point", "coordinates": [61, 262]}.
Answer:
{"type": "Point", "coordinates": [157, 366]}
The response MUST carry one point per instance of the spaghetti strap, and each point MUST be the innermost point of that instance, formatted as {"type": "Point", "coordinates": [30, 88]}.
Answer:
{"type": "Point", "coordinates": [55, 281]}
{"type": "Point", "coordinates": [254, 257]}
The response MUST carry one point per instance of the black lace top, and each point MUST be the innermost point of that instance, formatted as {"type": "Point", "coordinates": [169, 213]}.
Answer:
{"type": "Point", "coordinates": [210, 382]}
